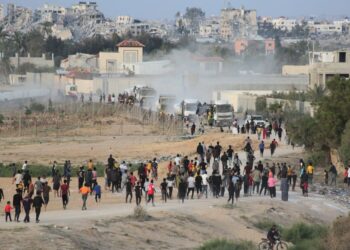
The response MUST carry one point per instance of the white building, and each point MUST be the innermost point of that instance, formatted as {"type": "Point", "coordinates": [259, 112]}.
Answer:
{"type": "Point", "coordinates": [324, 28]}
{"type": "Point", "coordinates": [83, 7]}
{"type": "Point", "coordinates": [209, 29]}
{"type": "Point", "coordinates": [284, 23]}
{"type": "Point", "coordinates": [124, 20]}
{"type": "Point", "coordinates": [2, 12]}
{"type": "Point", "coordinates": [61, 32]}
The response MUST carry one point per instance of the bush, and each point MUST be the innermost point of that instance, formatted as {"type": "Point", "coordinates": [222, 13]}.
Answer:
{"type": "Point", "coordinates": [2, 118]}
{"type": "Point", "coordinates": [344, 148]}
{"type": "Point", "coordinates": [266, 224]}
{"type": "Point", "coordinates": [40, 170]}
{"type": "Point", "coordinates": [37, 107]}
{"type": "Point", "coordinates": [227, 245]}
{"type": "Point", "coordinates": [305, 236]}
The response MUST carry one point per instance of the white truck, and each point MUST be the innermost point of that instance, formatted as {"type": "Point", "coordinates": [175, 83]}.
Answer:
{"type": "Point", "coordinates": [71, 91]}
{"type": "Point", "coordinates": [166, 104]}
{"type": "Point", "coordinates": [223, 114]}
{"type": "Point", "coordinates": [188, 109]}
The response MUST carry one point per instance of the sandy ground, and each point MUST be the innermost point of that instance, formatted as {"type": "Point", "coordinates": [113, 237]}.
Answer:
{"type": "Point", "coordinates": [110, 225]}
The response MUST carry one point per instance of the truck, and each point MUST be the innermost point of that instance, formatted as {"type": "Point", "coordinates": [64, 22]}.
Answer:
{"type": "Point", "coordinates": [223, 114]}
{"type": "Point", "coordinates": [188, 109]}
{"type": "Point", "coordinates": [166, 104]}
{"type": "Point", "coordinates": [143, 95]}
{"type": "Point", "coordinates": [71, 91]}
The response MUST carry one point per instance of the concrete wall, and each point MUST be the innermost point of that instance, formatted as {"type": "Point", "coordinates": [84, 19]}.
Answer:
{"type": "Point", "coordinates": [303, 107]}
{"type": "Point", "coordinates": [295, 70]}
{"type": "Point", "coordinates": [39, 62]}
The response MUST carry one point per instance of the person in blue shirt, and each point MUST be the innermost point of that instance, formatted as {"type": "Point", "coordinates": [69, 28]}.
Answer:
{"type": "Point", "coordinates": [97, 191]}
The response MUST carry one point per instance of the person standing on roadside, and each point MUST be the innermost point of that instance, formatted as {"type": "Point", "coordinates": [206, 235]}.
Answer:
{"type": "Point", "coordinates": [310, 172]}
{"type": "Point", "coordinates": [333, 174]}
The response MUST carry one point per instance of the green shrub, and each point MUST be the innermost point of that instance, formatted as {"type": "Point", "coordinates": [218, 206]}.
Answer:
{"type": "Point", "coordinates": [227, 245]}
{"type": "Point", "coordinates": [305, 236]}
{"type": "Point", "coordinates": [37, 107]}
{"type": "Point", "coordinates": [266, 224]}
{"type": "Point", "coordinates": [302, 231]}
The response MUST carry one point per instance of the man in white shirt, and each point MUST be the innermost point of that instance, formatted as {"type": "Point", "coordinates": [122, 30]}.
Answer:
{"type": "Point", "coordinates": [191, 185]}
{"type": "Point", "coordinates": [25, 166]}
{"type": "Point", "coordinates": [177, 160]}
{"type": "Point", "coordinates": [205, 184]}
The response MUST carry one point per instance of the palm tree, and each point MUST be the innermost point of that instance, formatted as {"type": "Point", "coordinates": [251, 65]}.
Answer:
{"type": "Point", "coordinates": [3, 39]}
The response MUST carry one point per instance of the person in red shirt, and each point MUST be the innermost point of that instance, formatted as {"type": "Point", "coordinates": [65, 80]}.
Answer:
{"type": "Point", "coordinates": [150, 193]}
{"type": "Point", "coordinates": [8, 209]}
{"type": "Point", "coordinates": [133, 179]}
{"type": "Point", "coordinates": [65, 193]}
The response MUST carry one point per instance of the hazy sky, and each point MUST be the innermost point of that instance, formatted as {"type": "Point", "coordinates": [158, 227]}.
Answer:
{"type": "Point", "coordinates": [157, 9]}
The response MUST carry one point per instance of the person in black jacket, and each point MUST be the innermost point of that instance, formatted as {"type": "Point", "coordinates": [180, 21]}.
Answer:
{"type": "Point", "coordinates": [182, 190]}
{"type": "Point", "coordinates": [216, 179]}
{"type": "Point", "coordinates": [37, 204]}
{"type": "Point", "coordinates": [200, 152]}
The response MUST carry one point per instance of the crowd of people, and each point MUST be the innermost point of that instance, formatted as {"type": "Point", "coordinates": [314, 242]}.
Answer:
{"type": "Point", "coordinates": [212, 171]}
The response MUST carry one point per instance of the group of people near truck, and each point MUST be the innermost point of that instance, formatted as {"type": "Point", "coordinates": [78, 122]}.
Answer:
{"type": "Point", "coordinates": [212, 171]}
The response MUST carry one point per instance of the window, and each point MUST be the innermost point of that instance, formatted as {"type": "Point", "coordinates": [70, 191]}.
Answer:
{"type": "Point", "coordinates": [342, 57]}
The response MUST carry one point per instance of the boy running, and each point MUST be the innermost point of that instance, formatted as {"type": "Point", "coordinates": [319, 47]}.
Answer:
{"type": "Point", "coordinates": [97, 191]}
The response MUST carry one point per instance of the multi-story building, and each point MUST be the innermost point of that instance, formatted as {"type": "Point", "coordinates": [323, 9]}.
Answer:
{"type": "Point", "coordinates": [325, 28]}
{"type": "Point", "coordinates": [284, 23]}
{"type": "Point", "coordinates": [236, 23]}
{"type": "Point", "coordinates": [322, 67]}
{"type": "Point", "coordinates": [130, 53]}
{"type": "Point", "coordinates": [11, 12]}
{"type": "Point", "coordinates": [124, 20]}
{"type": "Point", "coordinates": [209, 29]}
{"type": "Point", "coordinates": [51, 13]}
{"type": "Point", "coordinates": [83, 7]}
{"type": "Point", "coordinates": [2, 12]}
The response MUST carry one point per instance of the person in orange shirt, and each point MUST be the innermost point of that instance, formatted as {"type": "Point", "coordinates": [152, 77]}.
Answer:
{"type": "Point", "coordinates": [8, 209]}
{"type": "Point", "coordinates": [85, 191]}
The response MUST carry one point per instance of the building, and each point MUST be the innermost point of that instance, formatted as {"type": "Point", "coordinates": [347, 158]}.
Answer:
{"type": "Point", "coordinates": [83, 7]}
{"type": "Point", "coordinates": [283, 23]}
{"type": "Point", "coordinates": [236, 23]}
{"type": "Point", "coordinates": [11, 13]}
{"type": "Point", "coordinates": [325, 28]}
{"type": "Point", "coordinates": [124, 20]}
{"type": "Point", "coordinates": [266, 46]}
{"type": "Point", "coordinates": [2, 12]}
{"type": "Point", "coordinates": [210, 29]}
{"type": "Point", "coordinates": [322, 67]}
{"type": "Point", "coordinates": [208, 65]}
{"type": "Point", "coordinates": [129, 53]}
{"type": "Point", "coordinates": [39, 62]}
{"type": "Point", "coordinates": [61, 32]}
{"type": "Point", "coordinates": [51, 13]}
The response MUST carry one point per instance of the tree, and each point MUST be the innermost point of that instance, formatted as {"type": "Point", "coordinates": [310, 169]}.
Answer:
{"type": "Point", "coordinates": [194, 16]}
{"type": "Point", "coordinates": [344, 148]}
